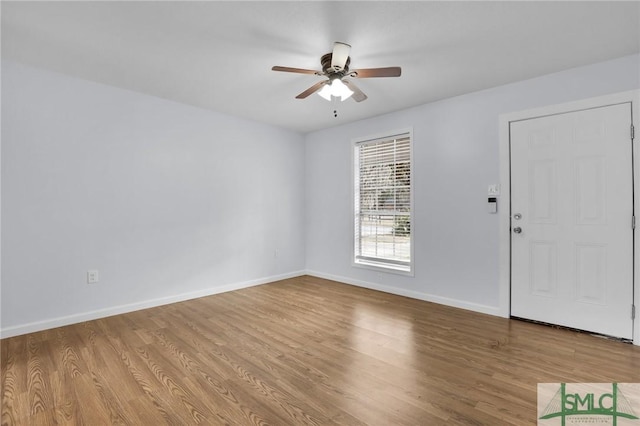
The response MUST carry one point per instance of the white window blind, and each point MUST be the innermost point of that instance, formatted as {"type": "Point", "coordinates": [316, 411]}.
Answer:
{"type": "Point", "coordinates": [383, 214]}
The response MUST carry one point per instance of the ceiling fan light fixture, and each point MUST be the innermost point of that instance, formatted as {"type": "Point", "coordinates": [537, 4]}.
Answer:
{"type": "Point", "coordinates": [335, 66]}
{"type": "Point", "coordinates": [336, 88]}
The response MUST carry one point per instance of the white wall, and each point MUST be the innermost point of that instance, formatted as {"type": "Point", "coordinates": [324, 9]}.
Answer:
{"type": "Point", "coordinates": [456, 144]}
{"type": "Point", "coordinates": [167, 201]}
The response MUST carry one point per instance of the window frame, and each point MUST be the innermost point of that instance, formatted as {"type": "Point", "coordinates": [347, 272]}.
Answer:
{"type": "Point", "coordinates": [380, 264]}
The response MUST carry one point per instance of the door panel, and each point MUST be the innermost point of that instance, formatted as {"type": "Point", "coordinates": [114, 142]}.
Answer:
{"type": "Point", "coordinates": [543, 270]}
{"type": "Point", "coordinates": [542, 191]}
{"type": "Point", "coordinates": [590, 190]}
{"type": "Point", "coordinates": [571, 186]}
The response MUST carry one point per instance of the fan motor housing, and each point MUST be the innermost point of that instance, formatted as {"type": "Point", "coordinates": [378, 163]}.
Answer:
{"type": "Point", "coordinates": [326, 64]}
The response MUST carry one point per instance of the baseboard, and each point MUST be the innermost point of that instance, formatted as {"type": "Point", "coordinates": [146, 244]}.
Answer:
{"type": "Point", "coordinates": [475, 307]}
{"type": "Point", "coordinates": [123, 309]}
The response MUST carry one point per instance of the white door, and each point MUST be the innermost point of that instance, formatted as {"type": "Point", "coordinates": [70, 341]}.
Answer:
{"type": "Point", "coordinates": [571, 220]}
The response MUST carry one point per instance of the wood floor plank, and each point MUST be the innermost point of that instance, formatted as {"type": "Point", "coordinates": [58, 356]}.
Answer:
{"type": "Point", "coordinates": [10, 374]}
{"type": "Point", "coordinates": [38, 372]}
{"type": "Point", "coordinates": [302, 351]}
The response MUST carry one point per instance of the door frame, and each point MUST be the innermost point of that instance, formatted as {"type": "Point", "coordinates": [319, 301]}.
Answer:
{"type": "Point", "coordinates": [504, 209]}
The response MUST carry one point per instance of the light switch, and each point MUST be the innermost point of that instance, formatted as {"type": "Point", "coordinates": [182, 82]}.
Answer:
{"type": "Point", "coordinates": [492, 205]}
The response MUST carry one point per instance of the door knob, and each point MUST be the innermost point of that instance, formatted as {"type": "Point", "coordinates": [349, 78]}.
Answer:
{"type": "Point", "coordinates": [517, 230]}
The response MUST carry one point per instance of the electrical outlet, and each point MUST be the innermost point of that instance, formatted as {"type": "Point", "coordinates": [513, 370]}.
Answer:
{"type": "Point", "coordinates": [92, 276]}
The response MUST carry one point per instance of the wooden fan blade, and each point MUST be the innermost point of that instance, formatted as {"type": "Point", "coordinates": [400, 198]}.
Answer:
{"type": "Point", "coordinates": [312, 89]}
{"type": "Point", "coordinates": [340, 55]}
{"type": "Point", "coordinates": [296, 70]}
{"type": "Point", "coordinates": [358, 95]}
{"type": "Point", "coordinates": [377, 72]}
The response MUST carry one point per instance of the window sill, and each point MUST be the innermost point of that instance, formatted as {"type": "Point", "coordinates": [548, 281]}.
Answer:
{"type": "Point", "coordinates": [384, 267]}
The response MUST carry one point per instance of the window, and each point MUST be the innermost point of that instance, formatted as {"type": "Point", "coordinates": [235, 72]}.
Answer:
{"type": "Point", "coordinates": [383, 202]}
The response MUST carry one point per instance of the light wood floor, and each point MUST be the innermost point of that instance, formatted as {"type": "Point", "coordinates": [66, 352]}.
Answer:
{"type": "Point", "coordinates": [300, 351]}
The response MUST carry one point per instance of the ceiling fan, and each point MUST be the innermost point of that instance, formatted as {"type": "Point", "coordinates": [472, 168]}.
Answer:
{"type": "Point", "coordinates": [335, 66]}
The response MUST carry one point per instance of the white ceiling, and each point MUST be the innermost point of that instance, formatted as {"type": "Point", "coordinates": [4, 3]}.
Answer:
{"type": "Point", "coordinates": [218, 55]}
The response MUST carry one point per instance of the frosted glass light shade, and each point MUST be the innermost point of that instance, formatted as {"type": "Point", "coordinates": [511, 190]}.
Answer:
{"type": "Point", "coordinates": [326, 92]}
{"type": "Point", "coordinates": [338, 88]}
